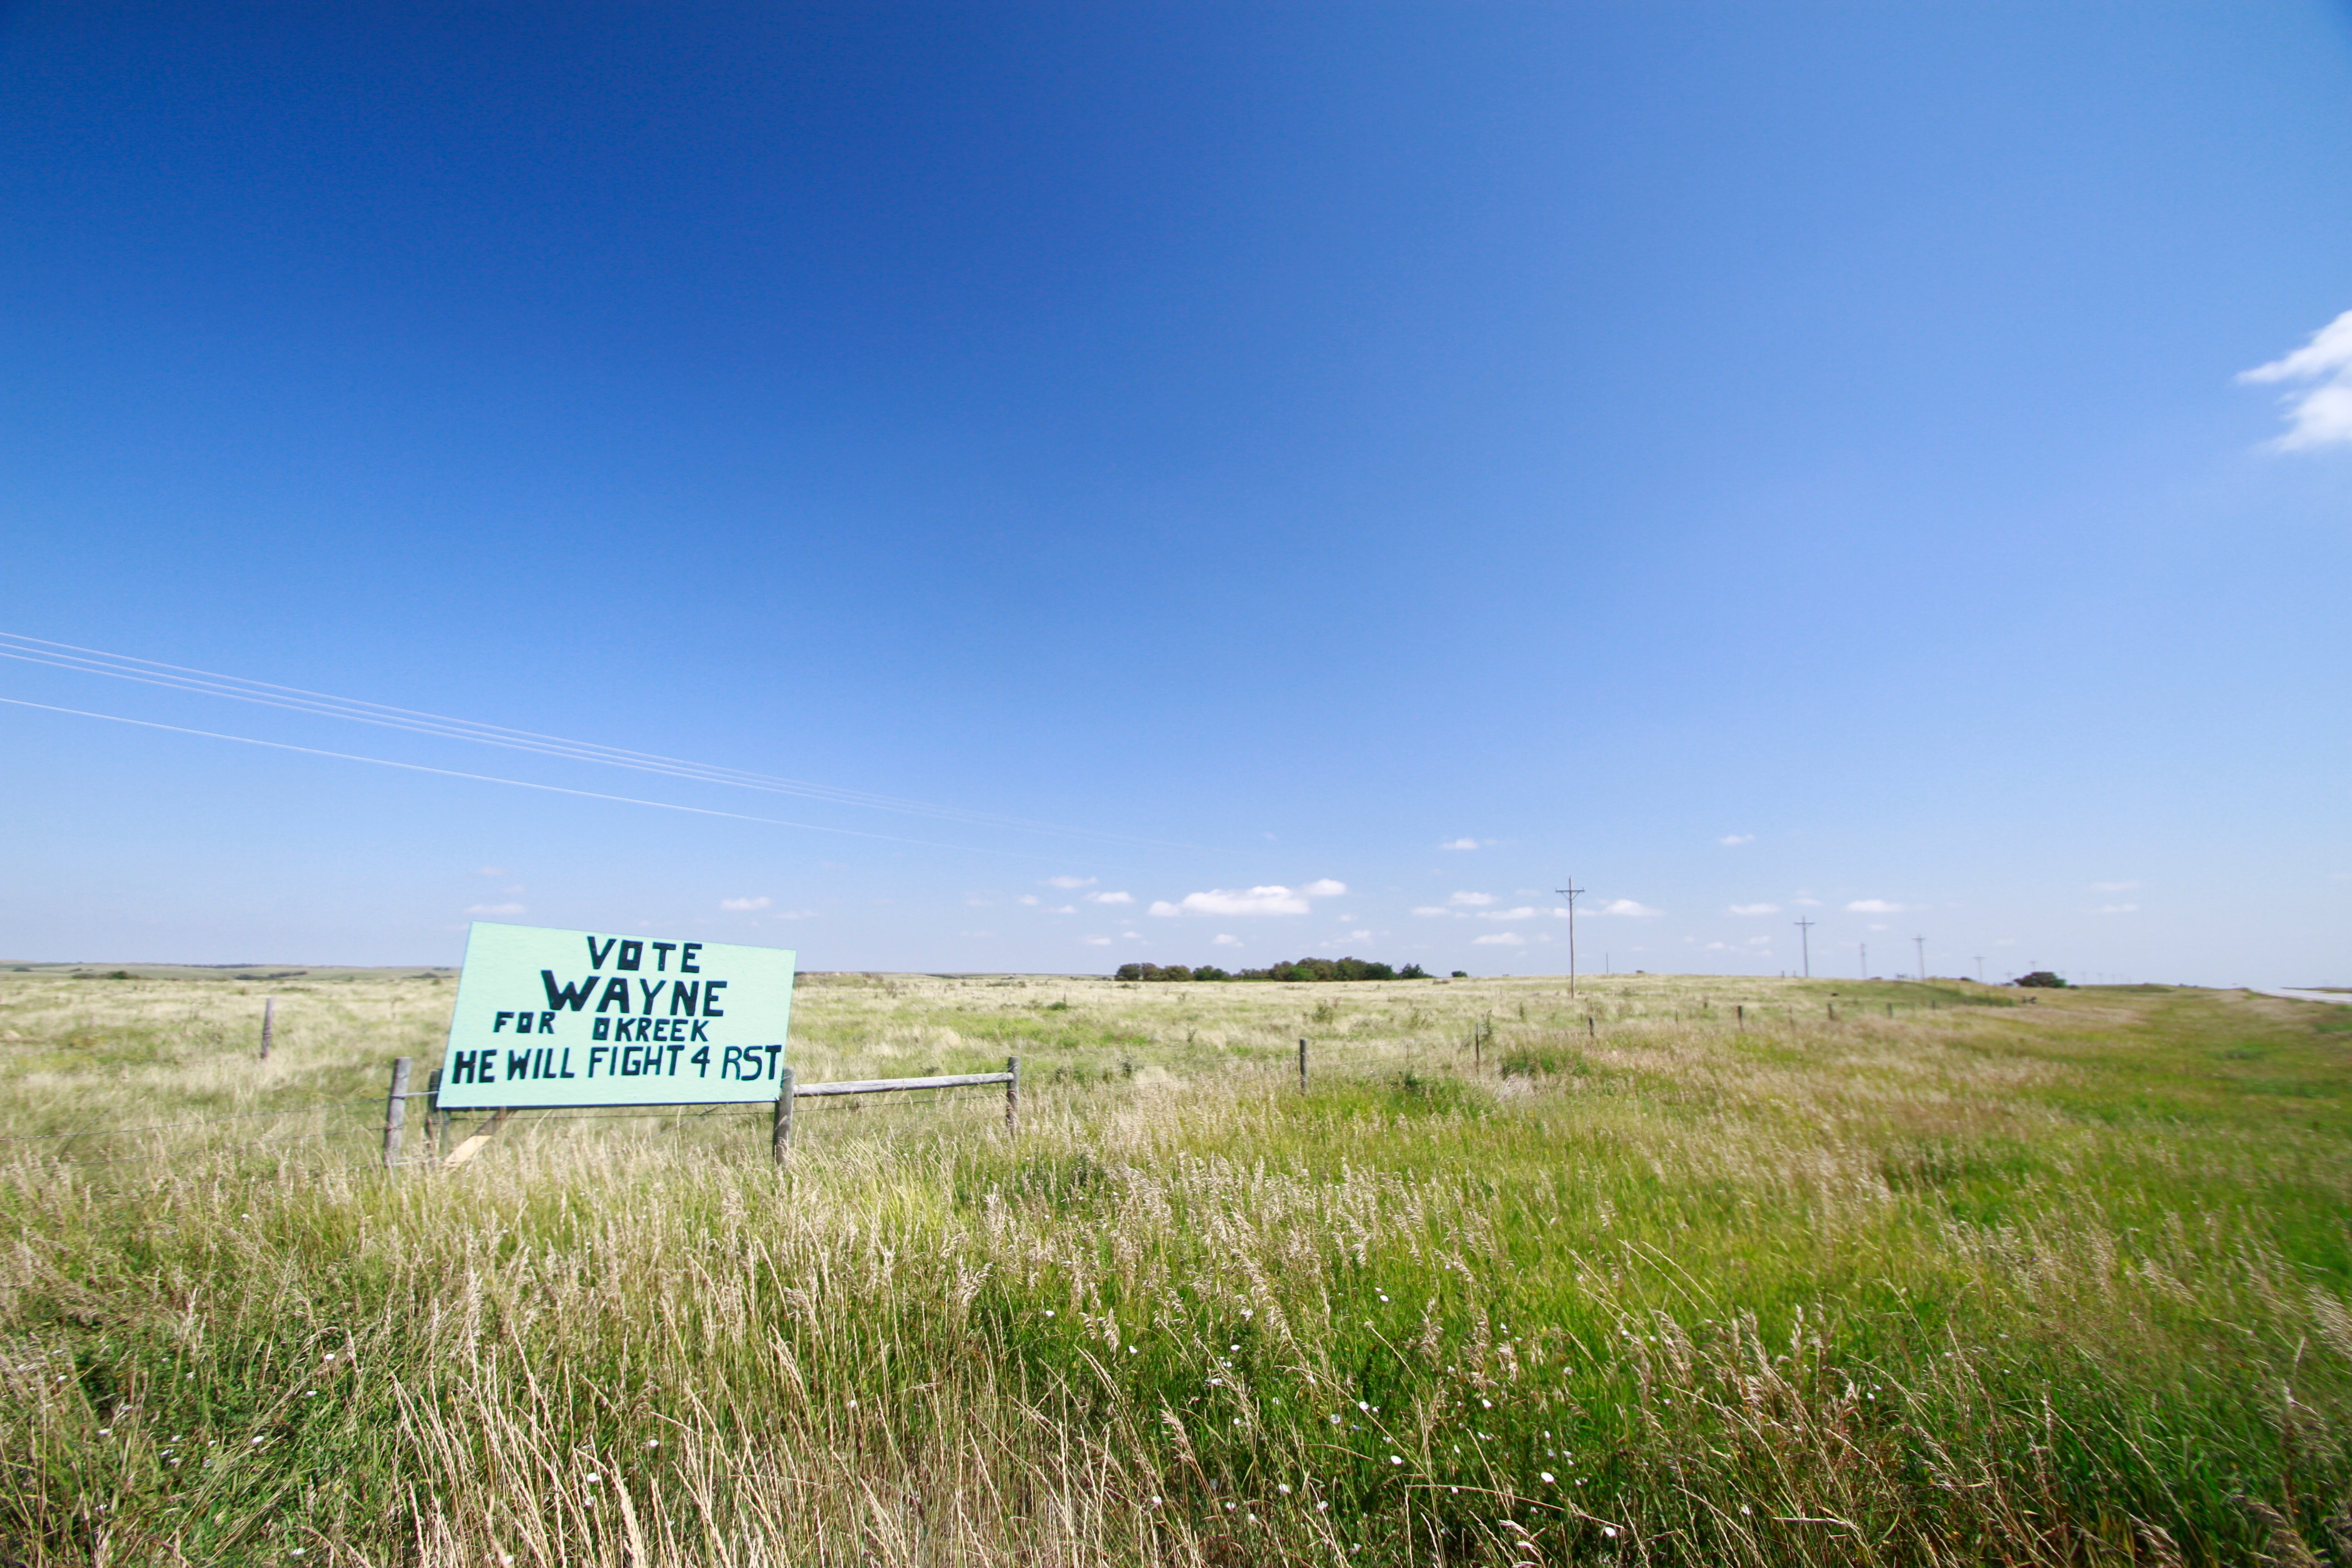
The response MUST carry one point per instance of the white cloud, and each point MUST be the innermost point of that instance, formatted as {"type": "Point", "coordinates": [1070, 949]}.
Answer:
{"type": "Point", "coordinates": [1628, 907]}
{"type": "Point", "coordinates": [1110, 898]}
{"type": "Point", "coordinates": [1499, 939]}
{"type": "Point", "coordinates": [1272, 899]}
{"type": "Point", "coordinates": [1474, 900]}
{"type": "Point", "coordinates": [1068, 882]}
{"type": "Point", "coordinates": [1063, 910]}
{"type": "Point", "coordinates": [1805, 903]}
{"type": "Point", "coordinates": [1755, 908]}
{"type": "Point", "coordinates": [793, 915]}
{"type": "Point", "coordinates": [1872, 907]}
{"type": "Point", "coordinates": [1760, 941]}
{"type": "Point", "coordinates": [1096, 941]}
{"type": "Point", "coordinates": [2112, 886]}
{"type": "Point", "coordinates": [2118, 909]}
{"type": "Point", "coordinates": [496, 910]}
{"type": "Point", "coordinates": [492, 872]}
{"type": "Point", "coordinates": [2321, 414]}
{"type": "Point", "coordinates": [745, 906]}
{"type": "Point", "coordinates": [974, 900]}
{"type": "Point", "coordinates": [1432, 909]}
{"type": "Point", "coordinates": [1224, 941]}
{"type": "Point", "coordinates": [1030, 899]}
{"type": "Point", "coordinates": [1462, 844]}
{"type": "Point", "coordinates": [1131, 936]}
{"type": "Point", "coordinates": [1731, 838]}
{"type": "Point", "coordinates": [1525, 913]}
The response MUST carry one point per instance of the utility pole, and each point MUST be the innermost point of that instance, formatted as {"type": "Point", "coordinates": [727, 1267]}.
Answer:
{"type": "Point", "coordinates": [1921, 942]}
{"type": "Point", "coordinates": [1805, 935]}
{"type": "Point", "coordinates": [1979, 957]}
{"type": "Point", "coordinates": [1569, 893]}
{"type": "Point", "coordinates": [1865, 960]}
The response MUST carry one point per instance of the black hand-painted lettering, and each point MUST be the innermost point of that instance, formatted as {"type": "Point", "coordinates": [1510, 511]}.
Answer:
{"type": "Point", "coordinates": [547, 1023]}
{"type": "Point", "coordinates": [682, 997]}
{"type": "Point", "coordinates": [698, 1027]}
{"type": "Point", "coordinates": [616, 994]}
{"type": "Point", "coordinates": [596, 959]}
{"type": "Point", "coordinates": [500, 1022]}
{"type": "Point", "coordinates": [567, 1071]}
{"type": "Point", "coordinates": [651, 988]}
{"type": "Point", "coordinates": [773, 1052]}
{"type": "Point", "coordinates": [710, 999]}
{"type": "Point", "coordinates": [572, 996]}
{"type": "Point", "coordinates": [686, 958]}
{"type": "Point", "coordinates": [518, 1065]}
{"type": "Point", "coordinates": [662, 949]}
{"type": "Point", "coordinates": [631, 954]}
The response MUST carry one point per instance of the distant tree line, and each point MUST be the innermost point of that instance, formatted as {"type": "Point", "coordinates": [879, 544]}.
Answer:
{"type": "Point", "coordinates": [1304, 969]}
{"type": "Point", "coordinates": [2040, 977]}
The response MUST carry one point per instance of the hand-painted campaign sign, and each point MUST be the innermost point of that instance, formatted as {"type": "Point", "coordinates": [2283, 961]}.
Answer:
{"type": "Point", "coordinates": [570, 1017]}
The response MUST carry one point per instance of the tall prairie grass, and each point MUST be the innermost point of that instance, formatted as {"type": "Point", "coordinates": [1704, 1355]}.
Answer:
{"type": "Point", "coordinates": [1634, 1279]}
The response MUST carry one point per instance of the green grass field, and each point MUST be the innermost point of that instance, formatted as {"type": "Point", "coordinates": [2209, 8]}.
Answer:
{"type": "Point", "coordinates": [1979, 1281]}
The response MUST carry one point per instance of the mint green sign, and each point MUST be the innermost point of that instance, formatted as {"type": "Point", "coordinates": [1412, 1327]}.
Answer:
{"type": "Point", "coordinates": [571, 1017]}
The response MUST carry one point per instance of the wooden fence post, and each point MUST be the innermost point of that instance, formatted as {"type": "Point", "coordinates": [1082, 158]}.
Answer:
{"type": "Point", "coordinates": [1302, 1066]}
{"type": "Point", "coordinates": [1591, 1028]}
{"type": "Point", "coordinates": [268, 1017]}
{"type": "Point", "coordinates": [1013, 1097]}
{"type": "Point", "coordinates": [1742, 1011]}
{"type": "Point", "coordinates": [781, 1141]}
{"type": "Point", "coordinates": [395, 1112]}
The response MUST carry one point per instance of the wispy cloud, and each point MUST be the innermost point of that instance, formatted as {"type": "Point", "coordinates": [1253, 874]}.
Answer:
{"type": "Point", "coordinates": [1499, 939]}
{"type": "Point", "coordinates": [1069, 882]}
{"type": "Point", "coordinates": [1472, 901]}
{"type": "Point", "coordinates": [491, 871]}
{"type": "Point", "coordinates": [1873, 907]}
{"type": "Point", "coordinates": [1223, 940]}
{"type": "Point", "coordinates": [1462, 844]}
{"type": "Point", "coordinates": [1271, 899]}
{"type": "Point", "coordinates": [2118, 909]}
{"type": "Point", "coordinates": [1628, 907]}
{"type": "Point", "coordinates": [2319, 414]}
{"type": "Point", "coordinates": [1729, 839]}
{"type": "Point", "coordinates": [2112, 886]}
{"type": "Point", "coordinates": [483, 910]}
{"type": "Point", "coordinates": [1432, 909]}
{"type": "Point", "coordinates": [1755, 908]}
{"type": "Point", "coordinates": [745, 906]}
{"type": "Point", "coordinates": [1110, 898]}
{"type": "Point", "coordinates": [1525, 913]}
{"type": "Point", "coordinates": [1096, 941]}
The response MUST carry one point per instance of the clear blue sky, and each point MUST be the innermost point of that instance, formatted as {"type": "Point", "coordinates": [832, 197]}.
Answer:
{"type": "Point", "coordinates": [1778, 458]}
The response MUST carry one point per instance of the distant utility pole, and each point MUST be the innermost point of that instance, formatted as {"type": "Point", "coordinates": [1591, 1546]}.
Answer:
{"type": "Point", "coordinates": [1865, 960]}
{"type": "Point", "coordinates": [1979, 958]}
{"type": "Point", "coordinates": [1805, 935]}
{"type": "Point", "coordinates": [1569, 893]}
{"type": "Point", "coordinates": [1921, 942]}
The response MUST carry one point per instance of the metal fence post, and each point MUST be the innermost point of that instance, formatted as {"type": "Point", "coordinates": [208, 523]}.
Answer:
{"type": "Point", "coordinates": [268, 1017]}
{"type": "Point", "coordinates": [1013, 1097]}
{"type": "Point", "coordinates": [781, 1142]}
{"type": "Point", "coordinates": [1302, 1066]}
{"type": "Point", "coordinates": [395, 1112]}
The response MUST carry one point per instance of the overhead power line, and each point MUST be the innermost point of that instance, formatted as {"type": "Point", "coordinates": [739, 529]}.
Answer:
{"type": "Point", "coordinates": [211, 683]}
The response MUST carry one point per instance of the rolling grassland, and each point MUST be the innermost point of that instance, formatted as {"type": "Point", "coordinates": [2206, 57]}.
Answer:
{"type": "Point", "coordinates": [1630, 1281]}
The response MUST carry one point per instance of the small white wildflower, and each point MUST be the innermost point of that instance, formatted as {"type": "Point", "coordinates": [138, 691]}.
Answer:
{"type": "Point", "coordinates": [1283, 1488]}
{"type": "Point", "coordinates": [331, 1355]}
{"type": "Point", "coordinates": [1229, 1507]}
{"type": "Point", "coordinates": [594, 1479]}
{"type": "Point", "coordinates": [1321, 1507]}
{"type": "Point", "coordinates": [1363, 1405]}
{"type": "Point", "coordinates": [1049, 1311]}
{"type": "Point", "coordinates": [1548, 1478]}
{"type": "Point", "coordinates": [1395, 1460]}
{"type": "Point", "coordinates": [1487, 1404]}
{"type": "Point", "coordinates": [1745, 1508]}
{"type": "Point", "coordinates": [1155, 1502]}
{"type": "Point", "coordinates": [1232, 1347]}
{"type": "Point", "coordinates": [653, 1442]}
{"type": "Point", "coordinates": [1133, 1349]}
{"type": "Point", "coordinates": [1335, 1420]}
{"type": "Point", "coordinates": [1609, 1529]}
{"type": "Point", "coordinates": [105, 1431]}
{"type": "Point", "coordinates": [256, 1442]}
{"type": "Point", "coordinates": [1385, 1298]}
